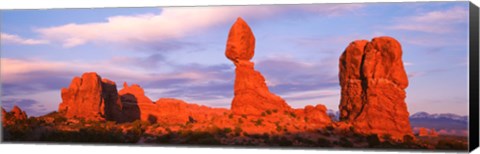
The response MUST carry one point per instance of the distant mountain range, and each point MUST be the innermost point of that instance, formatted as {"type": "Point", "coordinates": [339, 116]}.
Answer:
{"type": "Point", "coordinates": [444, 123]}
{"type": "Point", "coordinates": [443, 116]}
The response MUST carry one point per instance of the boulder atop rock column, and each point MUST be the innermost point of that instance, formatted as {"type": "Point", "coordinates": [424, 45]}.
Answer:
{"type": "Point", "coordinates": [252, 96]}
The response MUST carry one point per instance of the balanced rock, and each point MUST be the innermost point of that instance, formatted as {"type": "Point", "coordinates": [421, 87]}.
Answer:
{"type": "Point", "coordinates": [90, 97]}
{"type": "Point", "coordinates": [373, 82]}
{"type": "Point", "coordinates": [251, 94]}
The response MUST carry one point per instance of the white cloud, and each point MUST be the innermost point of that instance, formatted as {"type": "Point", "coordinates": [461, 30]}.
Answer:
{"type": "Point", "coordinates": [19, 70]}
{"type": "Point", "coordinates": [170, 23]}
{"type": "Point", "coordinates": [433, 22]}
{"type": "Point", "coordinates": [15, 39]}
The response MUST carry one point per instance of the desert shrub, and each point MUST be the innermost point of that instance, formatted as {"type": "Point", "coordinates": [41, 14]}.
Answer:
{"type": "Point", "coordinates": [293, 115]}
{"type": "Point", "coordinates": [214, 129]}
{"type": "Point", "coordinates": [244, 116]}
{"type": "Point", "coordinates": [17, 132]}
{"type": "Point", "coordinates": [304, 140]}
{"type": "Point", "coordinates": [263, 114]}
{"type": "Point", "coordinates": [58, 119]}
{"type": "Point", "coordinates": [344, 142]}
{"type": "Point", "coordinates": [387, 137]}
{"type": "Point", "coordinates": [330, 128]}
{"type": "Point", "coordinates": [284, 142]}
{"type": "Point", "coordinates": [305, 119]}
{"type": "Point", "coordinates": [352, 128]}
{"type": "Point", "coordinates": [265, 135]}
{"type": "Point", "coordinates": [230, 116]}
{"type": "Point", "coordinates": [138, 127]}
{"type": "Point", "coordinates": [279, 128]}
{"type": "Point", "coordinates": [164, 138]}
{"type": "Point", "coordinates": [203, 138]}
{"type": "Point", "coordinates": [373, 140]}
{"type": "Point", "coordinates": [240, 120]}
{"type": "Point", "coordinates": [407, 139]}
{"type": "Point", "coordinates": [87, 135]}
{"type": "Point", "coordinates": [258, 122]}
{"type": "Point", "coordinates": [275, 110]}
{"type": "Point", "coordinates": [323, 142]}
{"type": "Point", "coordinates": [238, 130]}
{"type": "Point", "coordinates": [268, 112]}
{"type": "Point", "coordinates": [449, 144]}
{"type": "Point", "coordinates": [227, 130]}
{"type": "Point", "coordinates": [156, 125]}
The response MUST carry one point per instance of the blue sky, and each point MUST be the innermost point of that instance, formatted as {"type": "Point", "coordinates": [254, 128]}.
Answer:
{"type": "Point", "coordinates": [179, 51]}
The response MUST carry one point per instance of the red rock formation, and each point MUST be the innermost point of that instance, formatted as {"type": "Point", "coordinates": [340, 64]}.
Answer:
{"type": "Point", "coordinates": [4, 114]}
{"type": "Point", "coordinates": [173, 111]}
{"type": "Point", "coordinates": [373, 82]}
{"type": "Point", "coordinates": [15, 114]}
{"type": "Point", "coordinates": [90, 97]}
{"type": "Point", "coordinates": [137, 106]}
{"type": "Point", "coordinates": [317, 115]}
{"type": "Point", "coordinates": [18, 114]}
{"type": "Point", "coordinates": [252, 96]}
{"type": "Point", "coordinates": [422, 132]}
{"type": "Point", "coordinates": [136, 91]}
{"type": "Point", "coordinates": [433, 133]}
{"type": "Point", "coordinates": [112, 104]}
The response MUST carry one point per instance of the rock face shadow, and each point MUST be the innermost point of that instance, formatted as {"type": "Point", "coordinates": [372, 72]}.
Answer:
{"type": "Point", "coordinates": [130, 109]}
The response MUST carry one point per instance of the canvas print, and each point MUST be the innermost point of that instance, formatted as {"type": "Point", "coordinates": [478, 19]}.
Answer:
{"type": "Point", "coordinates": [342, 76]}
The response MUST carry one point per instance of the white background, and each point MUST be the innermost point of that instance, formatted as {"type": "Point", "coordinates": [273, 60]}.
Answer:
{"type": "Point", "coordinates": [99, 149]}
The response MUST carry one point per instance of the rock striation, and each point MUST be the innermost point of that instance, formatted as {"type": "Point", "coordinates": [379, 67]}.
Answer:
{"type": "Point", "coordinates": [373, 82]}
{"type": "Point", "coordinates": [91, 97]}
{"type": "Point", "coordinates": [251, 94]}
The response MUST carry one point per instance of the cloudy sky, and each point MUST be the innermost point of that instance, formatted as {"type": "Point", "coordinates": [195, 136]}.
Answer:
{"type": "Point", "coordinates": [179, 51]}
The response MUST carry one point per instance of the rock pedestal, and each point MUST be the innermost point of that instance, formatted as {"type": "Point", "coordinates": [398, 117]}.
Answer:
{"type": "Point", "coordinates": [252, 96]}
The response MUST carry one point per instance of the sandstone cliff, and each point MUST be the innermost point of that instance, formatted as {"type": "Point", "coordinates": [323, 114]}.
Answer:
{"type": "Point", "coordinates": [90, 97]}
{"type": "Point", "coordinates": [373, 82]}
